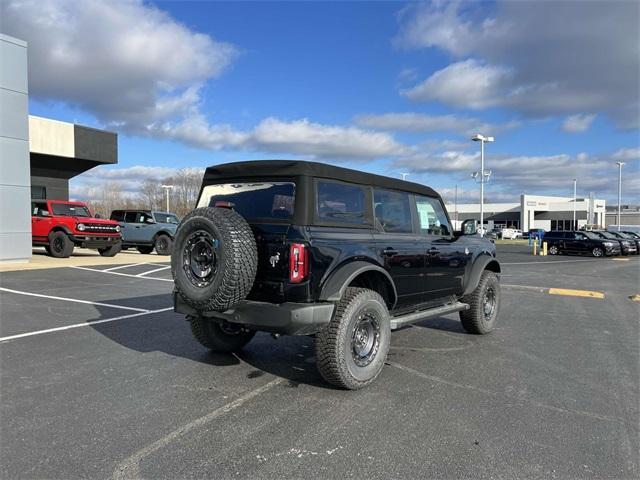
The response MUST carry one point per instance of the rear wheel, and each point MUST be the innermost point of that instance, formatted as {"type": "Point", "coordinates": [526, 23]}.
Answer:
{"type": "Point", "coordinates": [145, 250]}
{"type": "Point", "coordinates": [111, 251]}
{"type": "Point", "coordinates": [597, 252]}
{"type": "Point", "coordinates": [484, 305]}
{"type": "Point", "coordinates": [220, 336]}
{"type": "Point", "coordinates": [352, 348]}
{"type": "Point", "coordinates": [163, 244]}
{"type": "Point", "coordinates": [60, 245]}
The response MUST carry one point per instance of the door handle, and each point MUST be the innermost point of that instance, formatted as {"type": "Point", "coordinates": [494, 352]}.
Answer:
{"type": "Point", "coordinates": [433, 251]}
{"type": "Point", "coordinates": [389, 252]}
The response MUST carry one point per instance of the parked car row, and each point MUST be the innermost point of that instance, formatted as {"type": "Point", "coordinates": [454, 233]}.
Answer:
{"type": "Point", "coordinates": [60, 226]}
{"type": "Point", "coordinates": [596, 243]}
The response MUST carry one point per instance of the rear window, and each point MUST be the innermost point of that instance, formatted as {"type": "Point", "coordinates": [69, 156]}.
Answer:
{"type": "Point", "coordinates": [265, 200]}
{"type": "Point", "coordinates": [341, 203]}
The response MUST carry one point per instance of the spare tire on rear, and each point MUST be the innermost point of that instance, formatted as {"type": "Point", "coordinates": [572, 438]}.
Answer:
{"type": "Point", "coordinates": [214, 259]}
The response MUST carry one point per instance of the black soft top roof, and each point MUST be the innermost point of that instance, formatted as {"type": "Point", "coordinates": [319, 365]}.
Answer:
{"type": "Point", "coordinates": [299, 168]}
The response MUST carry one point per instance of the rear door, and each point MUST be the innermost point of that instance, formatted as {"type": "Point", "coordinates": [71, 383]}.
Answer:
{"type": "Point", "coordinates": [446, 258]}
{"type": "Point", "coordinates": [400, 247]}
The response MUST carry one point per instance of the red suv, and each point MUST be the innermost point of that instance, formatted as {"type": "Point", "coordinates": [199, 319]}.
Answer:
{"type": "Point", "coordinates": [59, 226]}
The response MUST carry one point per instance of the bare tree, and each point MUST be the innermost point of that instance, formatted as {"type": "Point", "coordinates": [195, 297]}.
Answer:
{"type": "Point", "coordinates": [151, 194]}
{"type": "Point", "coordinates": [186, 187]}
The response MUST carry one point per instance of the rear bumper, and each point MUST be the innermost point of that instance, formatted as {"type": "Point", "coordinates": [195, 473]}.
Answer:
{"type": "Point", "coordinates": [284, 318]}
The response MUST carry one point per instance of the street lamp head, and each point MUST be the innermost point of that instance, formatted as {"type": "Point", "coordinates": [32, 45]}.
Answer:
{"type": "Point", "coordinates": [167, 186]}
{"type": "Point", "coordinates": [482, 138]}
{"type": "Point", "coordinates": [620, 164]}
{"type": "Point", "coordinates": [475, 174]}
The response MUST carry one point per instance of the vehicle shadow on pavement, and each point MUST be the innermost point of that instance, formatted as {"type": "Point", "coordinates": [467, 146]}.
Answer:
{"type": "Point", "coordinates": [291, 358]}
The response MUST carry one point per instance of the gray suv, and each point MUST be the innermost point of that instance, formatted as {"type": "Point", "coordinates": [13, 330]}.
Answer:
{"type": "Point", "coordinates": [146, 230]}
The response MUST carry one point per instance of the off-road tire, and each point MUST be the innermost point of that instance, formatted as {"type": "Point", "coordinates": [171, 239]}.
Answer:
{"type": "Point", "coordinates": [145, 250]}
{"type": "Point", "coordinates": [474, 319]}
{"type": "Point", "coordinates": [111, 251]}
{"type": "Point", "coordinates": [334, 342]}
{"type": "Point", "coordinates": [597, 252]}
{"type": "Point", "coordinates": [218, 337]}
{"type": "Point", "coordinates": [163, 244]}
{"type": "Point", "coordinates": [236, 259]}
{"type": "Point", "coordinates": [60, 245]}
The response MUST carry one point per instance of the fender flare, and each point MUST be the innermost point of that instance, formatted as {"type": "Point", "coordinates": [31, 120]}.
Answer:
{"type": "Point", "coordinates": [484, 262]}
{"type": "Point", "coordinates": [335, 285]}
{"type": "Point", "coordinates": [60, 228]}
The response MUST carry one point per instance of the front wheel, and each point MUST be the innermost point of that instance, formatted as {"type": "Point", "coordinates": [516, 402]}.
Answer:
{"type": "Point", "coordinates": [220, 336]}
{"type": "Point", "coordinates": [597, 252]}
{"type": "Point", "coordinates": [484, 305]}
{"type": "Point", "coordinates": [60, 245]}
{"type": "Point", "coordinates": [553, 250]}
{"type": "Point", "coordinates": [352, 348]}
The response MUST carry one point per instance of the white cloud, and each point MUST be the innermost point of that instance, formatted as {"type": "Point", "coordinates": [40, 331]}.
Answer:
{"type": "Point", "coordinates": [418, 122]}
{"type": "Point", "coordinates": [626, 154]}
{"type": "Point", "coordinates": [577, 123]}
{"type": "Point", "coordinates": [127, 62]}
{"type": "Point", "coordinates": [515, 174]}
{"type": "Point", "coordinates": [298, 137]}
{"type": "Point", "coordinates": [469, 84]}
{"type": "Point", "coordinates": [528, 56]}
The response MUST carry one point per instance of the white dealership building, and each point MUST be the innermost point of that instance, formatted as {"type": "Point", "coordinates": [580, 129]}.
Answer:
{"type": "Point", "coordinates": [534, 211]}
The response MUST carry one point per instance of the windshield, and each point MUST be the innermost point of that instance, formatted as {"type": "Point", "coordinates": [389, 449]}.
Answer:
{"type": "Point", "coordinates": [166, 218]}
{"type": "Point", "coordinates": [607, 235]}
{"type": "Point", "coordinates": [592, 235]}
{"type": "Point", "coordinates": [66, 210]}
{"type": "Point", "coordinates": [632, 234]}
{"type": "Point", "coordinates": [267, 200]}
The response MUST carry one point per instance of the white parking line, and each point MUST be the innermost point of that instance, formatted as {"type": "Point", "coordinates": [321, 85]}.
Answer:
{"type": "Point", "coordinates": [85, 324]}
{"type": "Point", "coordinates": [122, 266]}
{"type": "Point", "coordinates": [75, 300]}
{"type": "Point", "coordinates": [123, 274]}
{"type": "Point", "coordinates": [153, 271]}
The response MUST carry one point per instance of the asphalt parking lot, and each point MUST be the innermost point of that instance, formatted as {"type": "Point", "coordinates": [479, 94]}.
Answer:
{"type": "Point", "coordinates": [99, 378]}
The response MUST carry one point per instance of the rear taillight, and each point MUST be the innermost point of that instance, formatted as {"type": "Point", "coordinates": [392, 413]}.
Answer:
{"type": "Point", "coordinates": [298, 263]}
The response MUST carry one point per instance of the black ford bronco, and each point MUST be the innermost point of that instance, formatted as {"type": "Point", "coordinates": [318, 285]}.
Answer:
{"type": "Point", "coordinates": [303, 248]}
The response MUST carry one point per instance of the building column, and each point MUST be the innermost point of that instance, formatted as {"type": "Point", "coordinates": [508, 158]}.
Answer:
{"type": "Point", "coordinates": [15, 180]}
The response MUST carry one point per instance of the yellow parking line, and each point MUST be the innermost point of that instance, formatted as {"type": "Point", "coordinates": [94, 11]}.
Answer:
{"type": "Point", "coordinates": [621, 259]}
{"type": "Point", "coordinates": [635, 298]}
{"type": "Point", "coordinates": [575, 293]}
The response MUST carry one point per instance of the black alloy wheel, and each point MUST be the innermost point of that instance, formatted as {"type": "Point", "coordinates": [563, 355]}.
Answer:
{"type": "Point", "coordinates": [200, 258]}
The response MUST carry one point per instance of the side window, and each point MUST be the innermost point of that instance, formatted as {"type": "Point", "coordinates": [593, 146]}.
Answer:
{"type": "Point", "coordinates": [432, 217]}
{"type": "Point", "coordinates": [341, 203]}
{"type": "Point", "coordinates": [393, 211]}
{"type": "Point", "coordinates": [142, 217]}
{"type": "Point", "coordinates": [580, 236]}
{"type": "Point", "coordinates": [117, 215]}
{"type": "Point", "coordinates": [39, 209]}
{"type": "Point", "coordinates": [130, 217]}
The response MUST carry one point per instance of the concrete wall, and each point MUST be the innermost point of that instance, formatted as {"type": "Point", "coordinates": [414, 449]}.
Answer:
{"type": "Point", "coordinates": [56, 188]}
{"type": "Point", "coordinates": [15, 183]}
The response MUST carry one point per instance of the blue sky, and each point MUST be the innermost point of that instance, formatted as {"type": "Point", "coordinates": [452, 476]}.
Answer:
{"type": "Point", "coordinates": [386, 87]}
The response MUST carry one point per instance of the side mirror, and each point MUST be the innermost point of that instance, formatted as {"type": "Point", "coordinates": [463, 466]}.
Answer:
{"type": "Point", "coordinates": [150, 220]}
{"type": "Point", "coordinates": [469, 227]}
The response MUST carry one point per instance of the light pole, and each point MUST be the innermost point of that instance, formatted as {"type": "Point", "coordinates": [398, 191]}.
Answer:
{"type": "Point", "coordinates": [166, 189]}
{"type": "Point", "coordinates": [404, 175]}
{"type": "Point", "coordinates": [482, 139]}
{"type": "Point", "coordinates": [620, 164]}
{"type": "Point", "coordinates": [573, 225]}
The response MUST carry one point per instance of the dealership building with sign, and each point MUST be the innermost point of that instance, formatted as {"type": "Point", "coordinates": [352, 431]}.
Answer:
{"type": "Point", "coordinates": [535, 211]}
